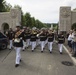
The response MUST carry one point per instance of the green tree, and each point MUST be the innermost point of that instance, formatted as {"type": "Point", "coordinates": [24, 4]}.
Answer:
{"type": "Point", "coordinates": [73, 26]}
{"type": "Point", "coordinates": [33, 22]}
{"type": "Point", "coordinates": [74, 9]}
{"type": "Point", "coordinates": [39, 24]}
{"type": "Point", "coordinates": [22, 19]}
{"type": "Point", "coordinates": [7, 7]}
{"type": "Point", "coordinates": [27, 18]}
{"type": "Point", "coordinates": [2, 7]}
{"type": "Point", "coordinates": [17, 6]}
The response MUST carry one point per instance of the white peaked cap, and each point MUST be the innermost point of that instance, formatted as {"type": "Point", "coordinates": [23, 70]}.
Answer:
{"type": "Point", "coordinates": [34, 28]}
{"type": "Point", "coordinates": [50, 28]}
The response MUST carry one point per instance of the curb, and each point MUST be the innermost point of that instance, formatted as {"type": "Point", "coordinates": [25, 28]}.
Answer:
{"type": "Point", "coordinates": [73, 59]}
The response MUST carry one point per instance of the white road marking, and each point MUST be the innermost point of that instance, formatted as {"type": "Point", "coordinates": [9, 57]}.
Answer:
{"type": "Point", "coordinates": [73, 59]}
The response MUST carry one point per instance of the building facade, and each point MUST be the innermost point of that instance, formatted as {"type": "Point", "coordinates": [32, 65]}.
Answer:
{"type": "Point", "coordinates": [10, 19]}
{"type": "Point", "coordinates": [66, 18]}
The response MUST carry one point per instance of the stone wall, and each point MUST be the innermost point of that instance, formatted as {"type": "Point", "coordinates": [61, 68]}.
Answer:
{"type": "Point", "coordinates": [11, 18]}
{"type": "Point", "coordinates": [65, 19]}
{"type": "Point", "coordinates": [73, 17]}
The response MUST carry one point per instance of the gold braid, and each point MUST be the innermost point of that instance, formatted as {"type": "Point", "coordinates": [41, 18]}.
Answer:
{"type": "Point", "coordinates": [18, 33]}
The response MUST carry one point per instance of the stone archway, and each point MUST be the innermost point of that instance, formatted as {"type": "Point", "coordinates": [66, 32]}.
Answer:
{"type": "Point", "coordinates": [5, 27]}
{"type": "Point", "coordinates": [73, 26]}
{"type": "Point", "coordinates": [10, 19]}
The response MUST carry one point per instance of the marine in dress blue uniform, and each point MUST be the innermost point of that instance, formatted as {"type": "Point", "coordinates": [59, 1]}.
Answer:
{"type": "Point", "coordinates": [50, 39]}
{"type": "Point", "coordinates": [42, 37]}
{"type": "Point", "coordinates": [18, 44]}
{"type": "Point", "coordinates": [24, 39]}
{"type": "Point", "coordinates": [10, 37]}
{"type": "Point", "coordinates": [33, 39]}
{"type": "Point", "coordinates": [61, 40]}
{"type": "Point", "coordinates": [27, 38]}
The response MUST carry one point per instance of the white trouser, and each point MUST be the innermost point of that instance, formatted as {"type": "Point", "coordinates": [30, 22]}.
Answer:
{"type": "Point", "coordinates": [18, 54]}
{"type": "Point", "coordinates": [24, 44]}
{"type": "Point", "coordinates": [50, 46]}
{"type": "Point", "coordinates": [28, 42]}
{"type": "Point", "coordinates": [11, 45]}
{"type": "Point", "coordinates": [46, 41]}
{"type": "Point", "coordinates": [33, 44]}
{"type": "Point", "coordinates": [42, 45]}
{"type": "Point", "coordinates": [60, 47]}
{"type": "Point", "coordinates": [37, 42]}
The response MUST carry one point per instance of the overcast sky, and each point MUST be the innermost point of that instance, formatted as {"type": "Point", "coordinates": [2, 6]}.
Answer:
{"type": "Point", "coordinates": [46, 11]}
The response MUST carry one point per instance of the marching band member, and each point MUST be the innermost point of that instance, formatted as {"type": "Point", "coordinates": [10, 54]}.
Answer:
{"type": "Point", "coordinates": [24, 40]}
{"type": "Point", "coordinates": [50, 39]}
{"type": "Point", "coordinates": [61, 40]}
{"type": "Point", "coordinates": [27, 37]}
{"type": "Point", "coordinates": [10, 37]}
{"type": "Point", "coordinates": [33, 39]}
{"type": "Point", "coordinates": [18, 44]}
{"type": "Point", "coordinates": [42, 36]}
{"type": "Point", "coordinates": [46, 40]}
{"type": "Point", "coordinates": [37, 38]}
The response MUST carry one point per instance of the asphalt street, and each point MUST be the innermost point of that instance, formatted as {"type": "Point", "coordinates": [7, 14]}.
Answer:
{"type": "Point", "coordinates": [36, 63]}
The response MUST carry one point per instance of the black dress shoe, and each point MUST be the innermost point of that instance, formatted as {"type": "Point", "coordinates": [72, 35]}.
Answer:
{"type": "Point", "coordinates": [32, 50]}
{"type": "Point", "coordinates": [61, 53]}
{"type": "Point", "coordinates": [50, 52]}
{"type": "Point", "coordinates": [20, 60]}
{"type": "Point", "coordinates": [23, 50]}
{"type": "Point", "coordinates": [9, 49]}
{"type": "Point", "coordinates": [41, 51]}
{"type": "Point", "coordinates": [16, 65]}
